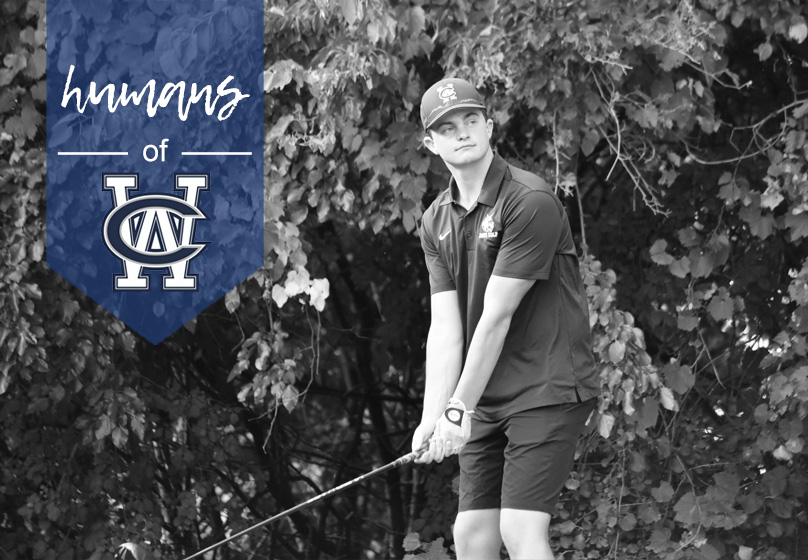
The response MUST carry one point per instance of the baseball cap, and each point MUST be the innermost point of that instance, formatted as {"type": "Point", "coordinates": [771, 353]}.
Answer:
{"type": "Point", "coordinates": [447, 95]}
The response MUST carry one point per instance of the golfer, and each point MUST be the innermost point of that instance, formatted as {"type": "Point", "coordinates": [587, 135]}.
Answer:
{"type": "Point", "coordinates": [510, 377]}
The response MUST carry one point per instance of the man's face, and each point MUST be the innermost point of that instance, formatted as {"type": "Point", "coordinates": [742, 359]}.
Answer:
{"type": "Point", "coordinates": [461, 137]}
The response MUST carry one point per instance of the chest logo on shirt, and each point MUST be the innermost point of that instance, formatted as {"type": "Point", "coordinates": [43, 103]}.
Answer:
{"type": "Point", "coordinates": [487, 228]}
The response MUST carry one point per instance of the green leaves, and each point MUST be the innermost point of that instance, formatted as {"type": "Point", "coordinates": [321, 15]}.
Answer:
{"type": "Point", "coordinates": [617, 351]}
{"type": "Point", "coordinates": [687, 510]}
{"type": "Point", "coordinates": [721, 306]}
{"type": "Point", "coordinates": [798, 31]}
{"type": "Point", "coordinates": [132, 551]}
{"type": "Point", "coordinates": [424, 551]}
{"type": "Point", "coordinates": [658, 253]}
{"type": "Point", "coordinates": [797, 225]}
{"type": "Point", "coordinates": [679, 378]}
{"type": "Point", "coordinates": [605, 424]}
{"type": "Point", "coordinates": [298, 283]}
{"type": "Point", "coordinates": [281, 73]}
{"type": "Point", "coordinates": [664, 493]}
{"type": "Point", "coordinates": [351, 10]}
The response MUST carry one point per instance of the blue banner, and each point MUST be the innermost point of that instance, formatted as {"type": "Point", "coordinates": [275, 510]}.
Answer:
{"type": "Point", "coordinates": [155, 153]}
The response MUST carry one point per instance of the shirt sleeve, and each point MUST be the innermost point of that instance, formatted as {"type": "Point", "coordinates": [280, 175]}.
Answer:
{"type": "Point", "coordinates": [440, 279]}
{"type": "Point", "coordinates": [531, 232]}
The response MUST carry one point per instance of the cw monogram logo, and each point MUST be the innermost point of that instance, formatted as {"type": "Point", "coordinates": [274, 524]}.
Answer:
{"type": "Point", "coordinates": [154, 231]}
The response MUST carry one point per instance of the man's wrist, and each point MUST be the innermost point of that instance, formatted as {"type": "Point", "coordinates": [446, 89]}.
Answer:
{"type": "Point", "coordinates": [455, 411]}
{"type": "Point", "coordinates": [457, 403]}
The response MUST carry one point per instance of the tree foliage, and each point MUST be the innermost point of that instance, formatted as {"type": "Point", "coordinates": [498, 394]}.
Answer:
{"type": "Point", "coordinates": [675, 132]}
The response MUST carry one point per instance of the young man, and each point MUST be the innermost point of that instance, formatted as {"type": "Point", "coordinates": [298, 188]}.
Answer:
{"type": "Point", "coordinates": [510, 376]}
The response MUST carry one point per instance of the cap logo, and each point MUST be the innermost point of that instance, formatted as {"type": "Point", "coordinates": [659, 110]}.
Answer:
{"type": "Point", "coordinates": [447, 93]}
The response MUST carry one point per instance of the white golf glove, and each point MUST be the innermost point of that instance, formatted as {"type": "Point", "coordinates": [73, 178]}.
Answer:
{"type": "Point", "coordinates": [453, 428]}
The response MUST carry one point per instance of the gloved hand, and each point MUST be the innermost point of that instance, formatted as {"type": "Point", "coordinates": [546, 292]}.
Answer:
{"type": "Point", "coordinates": [448, 435]}
{"type": "Point", "coordinates": [454, 427]}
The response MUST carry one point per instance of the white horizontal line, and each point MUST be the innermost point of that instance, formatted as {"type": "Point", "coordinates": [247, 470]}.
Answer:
{"type": "Point", "coordinates": [217, 153]}
{"type": "Point", "coordinates": [93, 153]}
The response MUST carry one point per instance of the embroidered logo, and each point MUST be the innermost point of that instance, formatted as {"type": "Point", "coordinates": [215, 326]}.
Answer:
{"type": "Point", "coordinates": [442, 236]}
{"type": "Point", "coordinates": [487, 228]}
{"type": "Point", "coordinates": [154, 231]}
{"type": "Point", "coordinates": [447, 93]}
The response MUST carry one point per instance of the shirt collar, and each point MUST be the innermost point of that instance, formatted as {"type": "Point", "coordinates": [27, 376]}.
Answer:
{"type": "Point", "coordinates": [490, 190]}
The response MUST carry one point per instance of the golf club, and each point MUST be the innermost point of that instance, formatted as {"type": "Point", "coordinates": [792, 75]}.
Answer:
{"type": "Point", "coordinates": [408, 458]}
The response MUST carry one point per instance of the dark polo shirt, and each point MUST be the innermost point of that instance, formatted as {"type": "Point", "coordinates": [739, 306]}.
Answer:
{"type": "Point", "coordinates": [517, 229]}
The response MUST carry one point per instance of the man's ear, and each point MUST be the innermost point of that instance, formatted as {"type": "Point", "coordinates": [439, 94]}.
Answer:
{"type": "Point", "coordinates": [489, 125]}
{"type": "Point", "coordinates": [430, 143]}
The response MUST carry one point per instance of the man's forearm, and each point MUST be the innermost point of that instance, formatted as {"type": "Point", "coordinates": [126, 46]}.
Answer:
{"type": "Point", "coordinates": [486, 346]}
{"type": "Point", "coordinates": [444, 358]}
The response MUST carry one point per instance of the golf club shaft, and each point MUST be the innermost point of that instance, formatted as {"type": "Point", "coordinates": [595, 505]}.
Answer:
{"type": "Point", "coordinates": [409, 457]}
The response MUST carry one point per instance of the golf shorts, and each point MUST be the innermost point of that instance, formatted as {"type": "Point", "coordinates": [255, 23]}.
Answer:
{"type": "Point", "coordinates": [522, 461]}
